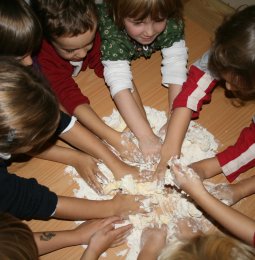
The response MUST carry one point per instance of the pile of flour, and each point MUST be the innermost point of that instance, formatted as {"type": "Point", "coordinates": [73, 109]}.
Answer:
{"type": "Point", "coordinates": [168, 207]}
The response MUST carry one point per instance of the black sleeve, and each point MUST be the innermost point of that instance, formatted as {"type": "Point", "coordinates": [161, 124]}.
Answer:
{"type": "Point", "coordinates": [65, 120]}
{"type": "Point", "coordinates": [25, 198]}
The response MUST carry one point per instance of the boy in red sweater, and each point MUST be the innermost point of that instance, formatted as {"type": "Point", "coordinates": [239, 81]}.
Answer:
{"type": "Point", "coordinates": [72, 44]}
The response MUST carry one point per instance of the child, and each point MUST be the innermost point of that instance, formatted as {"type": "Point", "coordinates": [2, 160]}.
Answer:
{"type": "Point", "coordinates": [18, 242]}
{"type": "Point", "coordinates": [235, 222]}
{"type": "Point", "coordinates": [72, 44]}
{"type": "Point", "coordinates": [26, 129]}
{"type": "Point", "coordinates": [129, 30]}
{"type": "Point", "coordinates": [16, 15]}
{"type": "Point", "coordinates": [232, 59]}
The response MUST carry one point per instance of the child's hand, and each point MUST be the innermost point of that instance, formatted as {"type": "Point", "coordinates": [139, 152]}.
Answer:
{"type": "Point", "coordinates": [188, 181]}
{"type": "Point", "coordinates": [150, 148]}
{"type": "Point", "coordinates": [86, 166]}
{"type": "Point", "coordinates": [124, 205]}
{"type": "Point", "coordinates": [153, 240]}
{"type": "Point", "coordinates": [85, 230]}
{"type": "Point", "coordinates": [128, 149]}
{"type": "Point", "coordinates": [187, 228]}
{"type": "Point", "coordinates": [105, 238]}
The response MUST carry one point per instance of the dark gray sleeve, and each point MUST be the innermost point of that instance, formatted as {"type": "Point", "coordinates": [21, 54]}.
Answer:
{"type": "Point", "coordinates": [25, 198]}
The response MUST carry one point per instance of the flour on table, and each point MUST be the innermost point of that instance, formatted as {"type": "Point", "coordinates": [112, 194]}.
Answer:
{"type": "Point", "coordinates": [168, 206]}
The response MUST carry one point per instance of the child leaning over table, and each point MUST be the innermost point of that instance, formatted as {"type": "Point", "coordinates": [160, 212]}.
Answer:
{"type": "Point", "coordinates": [27, 129]}
{"type": "Point", "coordinates": [71, 45]}
{"type": "Point", "coordinates": [136, 28]}
{"type": "Point", "coordinates": [231, 58]}
{"type": "Point", "coordinates": [15, 13]}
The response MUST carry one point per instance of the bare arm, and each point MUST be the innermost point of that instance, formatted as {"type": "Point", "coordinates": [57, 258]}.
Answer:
{"type": "Point", "coordinates": [176, 130]}
{"type": "Point", "coordinates": [207, 168]}
{"type": "Point", "coordinates": [49, 241]}
{"type": "Point", "coordinates": [173, 91]}
{"type": "Point", "coordinates": [81, 209]}
{"type": "Point", "coordinates": [137, 122]}
{"type": "Point", "coordinates": [238, 224]}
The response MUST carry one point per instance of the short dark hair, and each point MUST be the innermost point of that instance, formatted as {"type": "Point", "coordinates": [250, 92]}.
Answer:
{"type": "Point", "coordinates": [64, 17]}
{"type": "Point", "coordinates": [141, 9]}
{"type": "Point", "coordinates": [233, 53]}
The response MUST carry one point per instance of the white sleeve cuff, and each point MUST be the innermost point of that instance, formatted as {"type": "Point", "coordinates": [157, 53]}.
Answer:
{"type": "Point", "coordinates": [202, 63]}
{"type": "Point", "coordinates": [71, 124]}
{"type": "Point", "coordinates": [117, 75]}
{"type": "Point", "coordinates": [174, 64]}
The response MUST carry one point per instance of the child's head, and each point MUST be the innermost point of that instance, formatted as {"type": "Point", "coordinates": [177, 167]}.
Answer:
{"type": "Point", "coordinates": [20, 30]}
{"type": "Point", "coordinates": [29, 113]}
{"type": "Point", "coordinates": [144, 20]}
{"type": "Point", "coordinates": [69, 25]}
{"type": "Point", "coordinates": [233, 53]}
{"type": "Point", "coordinates": [16, 239]}
{"type": "Point", "coordinates": [209, 247]}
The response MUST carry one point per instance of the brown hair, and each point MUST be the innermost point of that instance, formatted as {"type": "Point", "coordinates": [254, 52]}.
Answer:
{"type": "Point", "coordinates": [209, 247]}
{"type": "Point", "coordinates": [20, 30]}
{"type": "Point", "coordinates": [233, 53]}
{"type": "Point", "coordinates": [16, 239]}
{"type": "Point", "coordinates": [65, 17]}
{"type": "Point", "coordinates": [29, 113]}
{"type": "Point", "coordinates": [141, 9]}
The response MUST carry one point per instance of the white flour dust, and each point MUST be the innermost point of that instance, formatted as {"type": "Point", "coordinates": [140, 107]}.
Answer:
{"type": "Point", "coordinates": [168, 206]}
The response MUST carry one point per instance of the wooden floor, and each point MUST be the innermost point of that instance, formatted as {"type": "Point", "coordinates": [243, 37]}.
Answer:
{"type": "Point", "coordinates": [220, 117]}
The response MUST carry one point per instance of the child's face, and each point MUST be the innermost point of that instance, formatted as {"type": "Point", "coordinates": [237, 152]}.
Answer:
{"type": "Point", "coordinates": [74, 48]}
{"type": "Point", "coordinates": [145, 31]}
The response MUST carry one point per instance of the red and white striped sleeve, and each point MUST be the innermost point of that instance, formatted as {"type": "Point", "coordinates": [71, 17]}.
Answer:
{"type": "Point", "coordinates": [240, 157]}
{"type": "Point", "coordinates": [195, 91]}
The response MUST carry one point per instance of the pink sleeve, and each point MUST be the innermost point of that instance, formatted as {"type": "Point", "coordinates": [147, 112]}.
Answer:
{"type": "Point", "coordinates": [195, 91]}
{"type": "Point", "coordinates": [240, 157]}
{"type": "Point", "coordinates": [59, 74]}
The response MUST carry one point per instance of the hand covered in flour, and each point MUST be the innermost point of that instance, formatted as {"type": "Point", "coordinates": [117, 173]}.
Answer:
{"type": "Point", "coordinates": [86, 166]}
{"type": "Point", "coordinates": [150, 148]}
{"type": "Point", "coordinates": [187, 180]}
{"type": "Point", "coordinates": [124, 205]}
{"type": "Point", "coordinates": [106, 237]}
{"type": "Point", "coordinates": [153, 240]}
{"type": "Point", "coordinates": [87, 229]}
{"type": "Point", "coordinates": [187, 228]}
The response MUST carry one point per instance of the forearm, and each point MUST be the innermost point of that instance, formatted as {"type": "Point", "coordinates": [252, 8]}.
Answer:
{"type": "Point", "coordinates": [60, 154]}
{"type": "Point", "coordinates": [238, 224]}
{"type": "Point", "coordinates": [207, 168]}
{"type": "Point", "coordinates": [138, 101]}
{"type": "Point", "coordinates": [82, 209]}
{"type": "Point", "coordinates": [87, 116]}
{"type": "Point", "coordinates": [246, 187]}
{"type": "Point", "coordinates": [50, 241]}
{"type": "Point", "coordinates": [176, 131]}
{"type": "Point", "coordinates": [147, 254]}
{"type": "Point", "coordinates": [173, 91]}
{"type": "Point", "coordinates": [83, 139]}
{"type": "Point", "coordinates": [89, 255]}
{"type": "Point", "coordinates": [132, 114]}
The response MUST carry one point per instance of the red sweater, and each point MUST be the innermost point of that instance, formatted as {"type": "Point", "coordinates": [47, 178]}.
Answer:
{"type": "Point", "coordinates": [235, 159]}
{"type": "Point", "coordinates": [59, 73]}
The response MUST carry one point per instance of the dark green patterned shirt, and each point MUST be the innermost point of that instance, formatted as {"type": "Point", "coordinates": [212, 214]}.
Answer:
{"type": "Point", "coordinates": [117, 45]}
